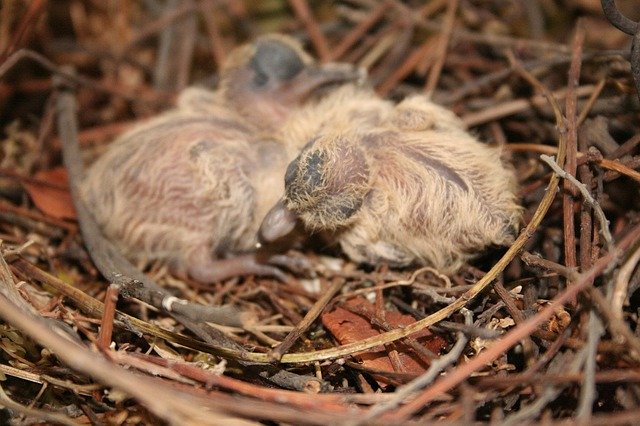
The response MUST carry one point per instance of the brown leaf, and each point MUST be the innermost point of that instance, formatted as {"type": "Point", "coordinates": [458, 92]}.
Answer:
{"type": "Point", "coordinates": [348, 327]}
{"type": "Point", "coordinates": [49, 191]}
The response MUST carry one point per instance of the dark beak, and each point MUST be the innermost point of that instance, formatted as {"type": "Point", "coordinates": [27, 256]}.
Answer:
{"type": "Point", "coordinates": [315, 77]}
{"type": "Point", "coordinates": [278, 223]}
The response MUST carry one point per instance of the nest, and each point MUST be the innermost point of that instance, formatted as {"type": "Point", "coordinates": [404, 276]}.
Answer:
{"type": "Point", "coordinates": [546, 329]}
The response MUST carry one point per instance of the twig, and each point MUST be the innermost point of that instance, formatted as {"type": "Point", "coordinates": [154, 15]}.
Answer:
{"type": "Point", "coordinates": [584, 113]}
{"type": "Point", "coordinates": [621, 283]}
{"type": "Point", "coordinates": [301, 8]}
{"type": "Point", "coordinates": [106, 325]}
{"type": "Point", "coordinates": [604, 223]}
{"type": "Point", "coordinates": [495, 77]}
{"type": "Point", "coordinates": [359, 31]}
{"type": "Point", "coordinates": [626, 147]}
{"type": "Point", "coordinates": [630, 27]}
{"type": "Point", "coordinates": [516, 106]}
{"type": "Point", "coordinates": [85, 390]}
{"type": "Point", "coordinates": [570, 274]}
{"type": "Point", "coordinates": [603, 162]}
{"type": "Point", "coordinates": [441, 49]}
{"type": "Point", "coordinates": [517, 315]}
{"type": "Point", "coordinates": [492, 39]}
{"type": "Point", "coordinates": [419, 53]}
{"type": "Point", "coordinates": [623, 375]}
{"type": "Point", "coordinates": [616, 324]}
{"type": "Point", "coordinates": [95, 309]}
{"type": "Point", "coordinates": [218, 51]}
{"type": "Point", "coordinates": [276, 353]}
{"type": "Point", "coordinates": [159, 24]}
{"type": "Point", "coordinates": [437, 366]}
{"type": "Point", "coordinates": [212, 379]}
{"type": "Point", "coordinates": [27, 23]}
{"type": "Point", "coordinates": [175, 50]}
{"type": "Point", "coordinates": [528, 412]}
{"type": "Point", "coordinates": [617, 327]}
{"type": "Point", "coordinates": [55, 418]}
{"type": "Point", "coordinates": [67, 76]}
{"type": "Point", "coordinates": [571, 165]}
{"type": "Point", "coordinates": [588, 389]}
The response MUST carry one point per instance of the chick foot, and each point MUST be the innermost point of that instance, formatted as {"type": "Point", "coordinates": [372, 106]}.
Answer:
{"type": "Point", "coordinates": [297, 264]}
{"type": "Point", "coordinates": [204, 268]}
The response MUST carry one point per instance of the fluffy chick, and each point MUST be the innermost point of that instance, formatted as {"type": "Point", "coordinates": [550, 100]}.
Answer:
{"type": "Point", "coordinates": [402, 184]}
{"type": "Point", "coordinates": [191, 186]}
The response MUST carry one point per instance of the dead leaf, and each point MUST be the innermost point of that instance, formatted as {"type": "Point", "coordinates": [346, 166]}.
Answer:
{"type": "Point", "coordinates": [348, 327]}
{"type": "Point", "coordinates": [49, 191]}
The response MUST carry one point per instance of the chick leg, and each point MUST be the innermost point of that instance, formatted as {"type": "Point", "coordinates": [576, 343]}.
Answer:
{"type": "Point", "coordinates": [202, 267]}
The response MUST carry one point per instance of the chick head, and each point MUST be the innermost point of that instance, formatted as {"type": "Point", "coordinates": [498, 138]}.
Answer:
{"type": "Point", "coordinates": [325, 186]}
{"type": "Point", "coordinates": [267, 78]}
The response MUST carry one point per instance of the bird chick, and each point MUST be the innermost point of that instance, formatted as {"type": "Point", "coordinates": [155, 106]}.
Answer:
{"type": "Point", "coordinates": [266, 80]}
{"type": "Point", "coordinates": [191, 186]}
{"type": "Point", "coordinates": [406, 185]}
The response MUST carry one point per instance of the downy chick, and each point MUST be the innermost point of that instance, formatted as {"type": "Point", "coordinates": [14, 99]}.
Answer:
{"type": "Point", "coordinates": [191, 186]}
{"type": "Point", "coordinates": [405, 185]}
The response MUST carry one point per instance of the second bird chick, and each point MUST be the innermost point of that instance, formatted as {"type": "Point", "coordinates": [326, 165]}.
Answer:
{"type": "Point", "coordinates": [402, 184]}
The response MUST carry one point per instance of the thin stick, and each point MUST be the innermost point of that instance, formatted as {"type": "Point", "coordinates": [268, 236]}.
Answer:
{"type": "Point", "coordinates": [617, 327]}
{"type": "Point", "coordinates": [519, 105]}
{"type": "Point", "coordinates": [604, 223]}
{"type": "Point", "coordinates": [584, 113]}
{"type": "Point", "coordinates": [303, 12]}
{"type": "Point", "coordinates": [106, 325]}
{"type": "Point", "coordinates": [441, 50]}
{"type": "Point", "coordinates": [437, 366]}
{"type": "Point", "coordinates": [588, 389]}
{"type": "Point", "coordinates": [78, 79]}
{"type": "Point", "coordinates": [407, 66]}
{"type": "Point", "coordinates": [495, 77]}
{"type": "Point", "coordinates": [571, 164]}
{"type": "Point", "coordinates": [95, 309]}
{"type": "Point", "coordinates": [357, 32]}
{"type": "Point", "coordinates": [528, 412]}
{"type": "Point", "coordinates": [218, 51]}
{"type": "Point", "coordinates": [27, 23]}
{"type": "Point", "coordinates": [621, 283]}
{"type": "Point", "coordinates": [613, 165]}
{"type": "Point", "coordinates": [277, 352]}
{"type": "Point", "coordinates": [55, 418]}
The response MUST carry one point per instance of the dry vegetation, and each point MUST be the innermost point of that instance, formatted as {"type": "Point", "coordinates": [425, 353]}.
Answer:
{"type": "Point", "coordinates": [548, 329]}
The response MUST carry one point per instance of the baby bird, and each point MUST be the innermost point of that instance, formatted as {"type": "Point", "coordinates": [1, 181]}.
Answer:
{"type": "Point", "coordinates": [404, 184]}
{"type": "Point", "coordinates": [191, 186]}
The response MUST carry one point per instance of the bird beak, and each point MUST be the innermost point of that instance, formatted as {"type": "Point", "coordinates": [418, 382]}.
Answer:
{"type": "Point", "coordinates": [315, 76]}
{"type": "Point", "coordinates": [278, 223]}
